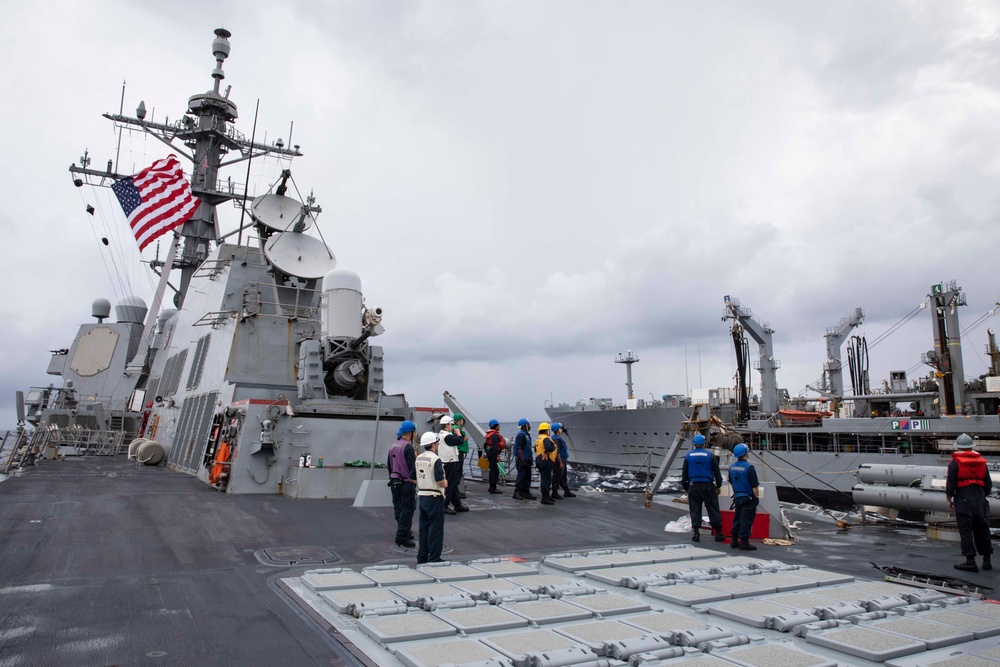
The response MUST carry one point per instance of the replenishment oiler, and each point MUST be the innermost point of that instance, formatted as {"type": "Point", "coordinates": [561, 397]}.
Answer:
{"type": "Point", "coordinates": [266, 366]}
{"type": "Point", "coordinates": [814, 446]}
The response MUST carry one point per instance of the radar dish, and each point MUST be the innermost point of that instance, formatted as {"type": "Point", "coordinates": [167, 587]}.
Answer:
{"type": "Point", "coordinates": [280, 213]}
{"type": "Point", "coordinates": [299, 255]}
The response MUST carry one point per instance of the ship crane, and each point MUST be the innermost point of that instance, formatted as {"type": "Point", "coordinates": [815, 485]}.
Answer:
{"type": "Point", "coordinates": [767, 365]}
{"type": "Point", "coordinates": [835, 337]}
{"type": "Point", "coordinates": [946, 357]}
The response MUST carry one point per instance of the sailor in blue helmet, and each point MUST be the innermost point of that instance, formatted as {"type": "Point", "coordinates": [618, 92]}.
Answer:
{"type": "Point", "coordinates": [492, 447]}
{"type": "Point", "coordinates": [403, 482]}
{"type": "Point", "coordinates": [558, 431]}
{"type": "Point", "coordinates": [524, 454]}
{"type": "Point", "coordinates": [746, 491]}
{"type": "Point", "coordinates": [702, 480]}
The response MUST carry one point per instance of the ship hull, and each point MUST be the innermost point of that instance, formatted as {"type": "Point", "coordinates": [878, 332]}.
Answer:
{"type": "Point", "coordinates": [816, 461]}
{"type": "Point", "coordinates": [616, 439]}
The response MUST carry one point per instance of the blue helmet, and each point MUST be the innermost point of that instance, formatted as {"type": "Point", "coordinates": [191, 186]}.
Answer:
{"type": "Point", "coordinates": [556, 426]}
{"type": "Point", "coordinates": [740, 450]}
{"type": "Point", "coordinates": [494, 423]}
{"type": "Point", "coordinates": [698, 440]}
{"type": "Point", "coordinates": [406, 427]}
{"type": "Point", "coordinates": [523, 422]}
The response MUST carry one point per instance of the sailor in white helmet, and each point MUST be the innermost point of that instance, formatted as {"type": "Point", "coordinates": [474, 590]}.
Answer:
{"type": "Point", "coordinates": [431, 486]}
{"type": "Point", "coordinates": [448, 451]}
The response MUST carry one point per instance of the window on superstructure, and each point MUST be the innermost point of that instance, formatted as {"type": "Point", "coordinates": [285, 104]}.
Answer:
{"type": "Point", "coordinates": [172, 373]}
{"type": "Point", "coordinates": [198, 364]}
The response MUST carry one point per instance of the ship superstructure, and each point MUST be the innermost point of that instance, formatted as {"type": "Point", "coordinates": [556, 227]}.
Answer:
{"type": "Point", "coordinates": [265, 362]}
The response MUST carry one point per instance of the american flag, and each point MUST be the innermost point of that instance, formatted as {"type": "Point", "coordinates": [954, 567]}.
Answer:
{"type": "Point", "coordinates": [156, 200]}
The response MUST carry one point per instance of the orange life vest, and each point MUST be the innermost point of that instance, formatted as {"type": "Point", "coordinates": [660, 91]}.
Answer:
{"type": "Point", "coordinates": [971, 467]}
{"type": "Point", "coordinates": [221, 458]}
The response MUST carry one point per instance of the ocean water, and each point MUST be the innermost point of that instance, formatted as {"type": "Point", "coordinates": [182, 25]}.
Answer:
{"type": "Point", "coordinates": [621, 482]}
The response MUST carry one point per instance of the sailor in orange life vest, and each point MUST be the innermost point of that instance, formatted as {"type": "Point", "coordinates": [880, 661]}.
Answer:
{"type": "Point", "coordinates": [702, 481]}
{"type": "Point", "coordinates": [967, 486]}
{"type": "Point", "coordinates": [492, 446]}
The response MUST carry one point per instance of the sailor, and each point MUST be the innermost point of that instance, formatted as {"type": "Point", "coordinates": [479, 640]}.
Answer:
{"type": "Point", "coordinates": [452, 470]}
{"type": "Point", "coordinates": [431, 486]}
{"type": "Point", "coordinates": [463, 452]}
{"type": "Point", "coordinates": [702, 480]}
{"type": "Point", "coordinates": [563, 482]}
{"type": "Point", "coordinates": [492, 446]}
{"type": "Point", "coordinates": [967, 485]}
{"type": "Point", "coordinates": [546, 454]}
{"type": "Point", "coordinates": [402, 482]}
{"type": "Point", "coordinates": [523, 456]}
{"type": "Point", "coordinates": [746, 490]}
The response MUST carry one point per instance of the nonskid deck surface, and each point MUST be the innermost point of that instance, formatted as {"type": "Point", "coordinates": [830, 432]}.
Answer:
{"type": "Point", "coordinates": [652, 606]}
{"type": "Point", "coordinates": [103, 562]}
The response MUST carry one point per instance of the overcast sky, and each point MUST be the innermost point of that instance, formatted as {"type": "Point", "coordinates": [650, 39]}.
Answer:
{"type": "Point", "coordinates": [529, 188]}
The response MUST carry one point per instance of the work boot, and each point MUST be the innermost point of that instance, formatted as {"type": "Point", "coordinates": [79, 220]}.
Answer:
{"type": "Point", "coordinates": [409, 544]}
{"type": "Point", "coordinates": [969, 565]}
{"type": "Point", "coordinates": [734, 543]}
{"type": "Point", "coordinates": [987, 565]}
{"type": "Point", "coordinates": [717, 531]}
{"type": "Point", "coordinates": [461, 496]}
{"type": "Point", "coordinates": [555, 496]}
{"type": "Point", "coordinates": [517, 495]}
{"type": "Point", "coordinates": [528, 495]}
{"type": "Point", "coordinates": [546, 500]}
{"type": "Point", "coordinates": [696, 537]}
{"type": "Point", "coordinates": [449, 510]}
{"type": "Point", "coordinates": [494, 489]}
{"type": "Point", "coordinates": [746, 546]}
{"type": "Point", "coordinates": [462, 508]}
{"type": "Point", "coordinates": [568, 494]}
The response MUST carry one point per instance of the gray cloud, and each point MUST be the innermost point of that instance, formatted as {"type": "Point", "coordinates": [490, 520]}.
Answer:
{"type": "Point", "coordinates": [530, 188]}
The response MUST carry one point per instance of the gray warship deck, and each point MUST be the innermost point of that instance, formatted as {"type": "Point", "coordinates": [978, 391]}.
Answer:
{"type": "Point", "coordinates": [103, 562]}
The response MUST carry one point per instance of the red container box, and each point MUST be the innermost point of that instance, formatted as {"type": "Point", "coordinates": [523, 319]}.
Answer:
{"type": "Point", "coordinates": [761, 525]}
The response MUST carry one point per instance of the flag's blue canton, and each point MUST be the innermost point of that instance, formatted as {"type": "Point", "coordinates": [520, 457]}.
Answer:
{"type": "Point", "coordinates": [127, 194]}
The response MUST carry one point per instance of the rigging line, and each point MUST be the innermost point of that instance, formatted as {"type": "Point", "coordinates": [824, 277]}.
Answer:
{"type": "Point", "coordinates": [978, 323]}
{"type": "Point", "coordinates": [246, 184]}
{"type": "Point", "coordinates": [809, 474]}
{"type": "Point", "coordinates": [786, 480]}
{"type": "Point", "coordinates": [107, 269]}
{"type": "Point", "coordinates": [895, 327]}
{"type": "Point", "coordinates": [113, 232]}
{"type": "Point", "coordinates": [119, 288]}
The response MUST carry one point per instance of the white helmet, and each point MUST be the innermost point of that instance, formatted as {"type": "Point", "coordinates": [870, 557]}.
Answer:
{"type": "Point", "coordinates": [428, 439]}
{"type": "Point", "coordinates": [446, 420]}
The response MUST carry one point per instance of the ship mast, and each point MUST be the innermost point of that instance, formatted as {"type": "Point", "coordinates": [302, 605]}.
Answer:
{"type": "Point", "coordinates": [204, 136]}
{"type": "Point", "coordinates": [628, 359]}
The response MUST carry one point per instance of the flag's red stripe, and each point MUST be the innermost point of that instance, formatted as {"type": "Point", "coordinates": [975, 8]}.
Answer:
{"type": "Point", "coordinates": [167, 219]}
{"type": "Point", "coordinates": [167, 201]}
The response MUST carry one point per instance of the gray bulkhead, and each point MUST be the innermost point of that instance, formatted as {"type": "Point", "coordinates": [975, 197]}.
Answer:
{"type": "Point", "coordinates": [230, 372]}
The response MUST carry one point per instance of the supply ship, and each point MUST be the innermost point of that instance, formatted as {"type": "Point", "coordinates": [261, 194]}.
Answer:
{"type": "Point", "coordinates": [814, 446]}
